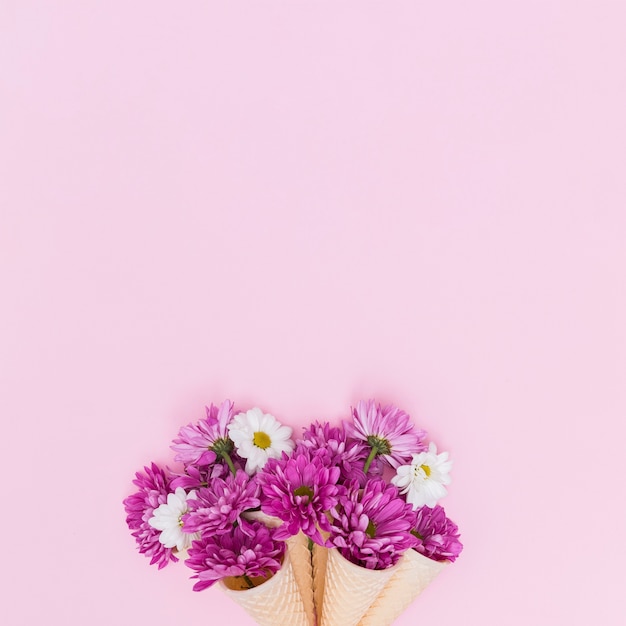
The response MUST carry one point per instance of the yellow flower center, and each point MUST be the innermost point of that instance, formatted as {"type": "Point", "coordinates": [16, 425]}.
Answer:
{"type": "Point", "coordinates": [426, 470]}
{"type": "Point", "coordinates": [261, 440]}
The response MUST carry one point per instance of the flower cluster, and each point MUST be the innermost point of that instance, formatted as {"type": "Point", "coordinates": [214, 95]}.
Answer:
{"type": "Point", "coordinates": [249, 552]}
{"type": "Point", "coordinates": [372, 526]}
{"type": "Point", "coordinates": [438, 536]}
{"type": "Point", "coordinates": [154, 486]}
{"type": "Point", "coordinates": [300, 490]}
{"type": "Point", "coordinates": [217, 509]}
{"type": "Point", "coordinates": [368, 487]}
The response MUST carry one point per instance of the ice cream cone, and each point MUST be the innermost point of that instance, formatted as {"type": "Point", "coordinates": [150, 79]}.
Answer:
{"type": "Point", "coordinates": [300, 556]}
{"type": "Point", "coordinates": [320, 557]}
{"type": "Point", "coordinates": [276, 602]}
{"type": "Point", "coordinates": [350, 590]}
{"type": "Point", "coordinates": [415, 572]}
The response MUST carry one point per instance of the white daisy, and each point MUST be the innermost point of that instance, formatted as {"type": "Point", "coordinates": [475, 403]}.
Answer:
{"type": "Point", "coordinates": [167, 519]}
{"type": "Point", "coordinates": [423, 480]}
{"type": "Point", "coordinates": [258, 437]}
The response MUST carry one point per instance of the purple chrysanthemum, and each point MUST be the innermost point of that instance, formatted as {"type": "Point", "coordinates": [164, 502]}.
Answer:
{"type": "Point", "coordinates": [252, 551]}
{"type": "Point", "coordinates": [154, 486]}
{"type": "Point", "coordinates": [438, 535]}
{"type": "Point", "coordinates": [299, 490]}
{"type": "Point", "coordinates": [196, 477]}
{"type": "Point", "coordinates": [201, 443]}
{"type": "Point", "coordinates": [372, 526]}
{"type": "Point", "coordinates": [217, 508]}
{"type": "Point", "coordinates": [388, 432]}
{"type": "Point", "coordinates": [347, 453]}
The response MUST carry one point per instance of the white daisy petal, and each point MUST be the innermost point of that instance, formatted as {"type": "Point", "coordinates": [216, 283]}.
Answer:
{"type": "Point", "coordinates": [167, 519]}
{"type": "Point", "coordinates": [423, 480]}
{"type": "Point", "coordinates": [259, 436]}
{"type": "Point", "coordinates": [283, 432]}
{"type": "Point", "coordinates": [254, 418]}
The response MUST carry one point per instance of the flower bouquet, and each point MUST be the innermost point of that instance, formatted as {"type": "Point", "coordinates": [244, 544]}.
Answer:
{"type": "Point", "coordinates": [301, 532]}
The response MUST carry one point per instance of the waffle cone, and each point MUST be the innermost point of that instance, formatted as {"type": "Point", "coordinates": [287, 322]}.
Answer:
{"type": "Point", "coordinates": [300, 557]}
{"type": "Point", "coordinates": [350, 590]}
{"type": "Point", "coordinates": [320, 558]}
{"type": "Point", "coordinates": [275, 602]}
{"type": "Point", "coordinates": [415, 572]}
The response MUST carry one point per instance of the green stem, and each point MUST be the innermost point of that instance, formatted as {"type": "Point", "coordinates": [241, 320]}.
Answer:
{"type": "Point", "coordinates": [246, 577]}
{"type": "Point", "coordinates": [370, 458]}
{"type": "Point", "coordinates": [229, 462]}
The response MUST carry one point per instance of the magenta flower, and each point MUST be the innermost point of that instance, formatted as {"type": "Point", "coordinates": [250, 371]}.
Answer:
{"type": "Point", "coordinates": [388, 432]}
{"type": "Point", "coordinates": [438, 535]}
{"type": "Point", "coordinates": [372, 527]}
{"type": "Point", "coordinates": [300, 490]}
{"type": "Point", "coordinates": [201, 443]}
{"type": "Point", "coordinates": [218, 508]}
{"type": "Point", "coordinates": [250, 552]}
{"type": "Point", "coordinates": [154, 486]}
{"type": "Point", "coordinates": [347, 453]}
{"type": "Point", "coordinates": [196, 477]}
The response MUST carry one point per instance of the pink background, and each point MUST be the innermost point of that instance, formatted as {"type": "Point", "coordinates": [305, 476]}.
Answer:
{"type": "Point", "coordinates": [297, 205]}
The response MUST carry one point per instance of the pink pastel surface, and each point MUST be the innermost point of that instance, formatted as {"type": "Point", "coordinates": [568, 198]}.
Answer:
{"type": "Point", "coordinates": [296, 205]}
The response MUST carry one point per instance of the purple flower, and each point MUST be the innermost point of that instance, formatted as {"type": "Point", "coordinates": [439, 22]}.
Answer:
{"type": "Point", "coordinates": [201, 443]}
{"type": "Point", "coordinates": [372, 527]}
{"type": "Point", "coordinates": [388, 432]}
{"type": "Point", "coordinates": [300, 490]}
{"type": "Point", "coordinates": [154, 487]}
{"type": "Point", "coordinates": [438, 535]}
{"type": "Point", "coordinates": [196, 477]}
{"type": "Point", "coordinates": [347, 453]}
{"type": "Point", "coordinates": [217, 508]}
{"type": "Point", "coordinates": [252, 551]}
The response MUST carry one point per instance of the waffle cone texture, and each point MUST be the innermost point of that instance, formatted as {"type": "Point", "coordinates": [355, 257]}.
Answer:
{"type": "Point", "coordinates": [322, 588]}
{"type": "Point", "coordinates": [349, 590]}
{"type": "Point", "coordinates": [276, 602]}
{"type": "Point", "coordinates": [300, 557]}
{"type": "Point", "coordinates": [415, 572]}
{"type": "Point", "coordinates": [320, 558]}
